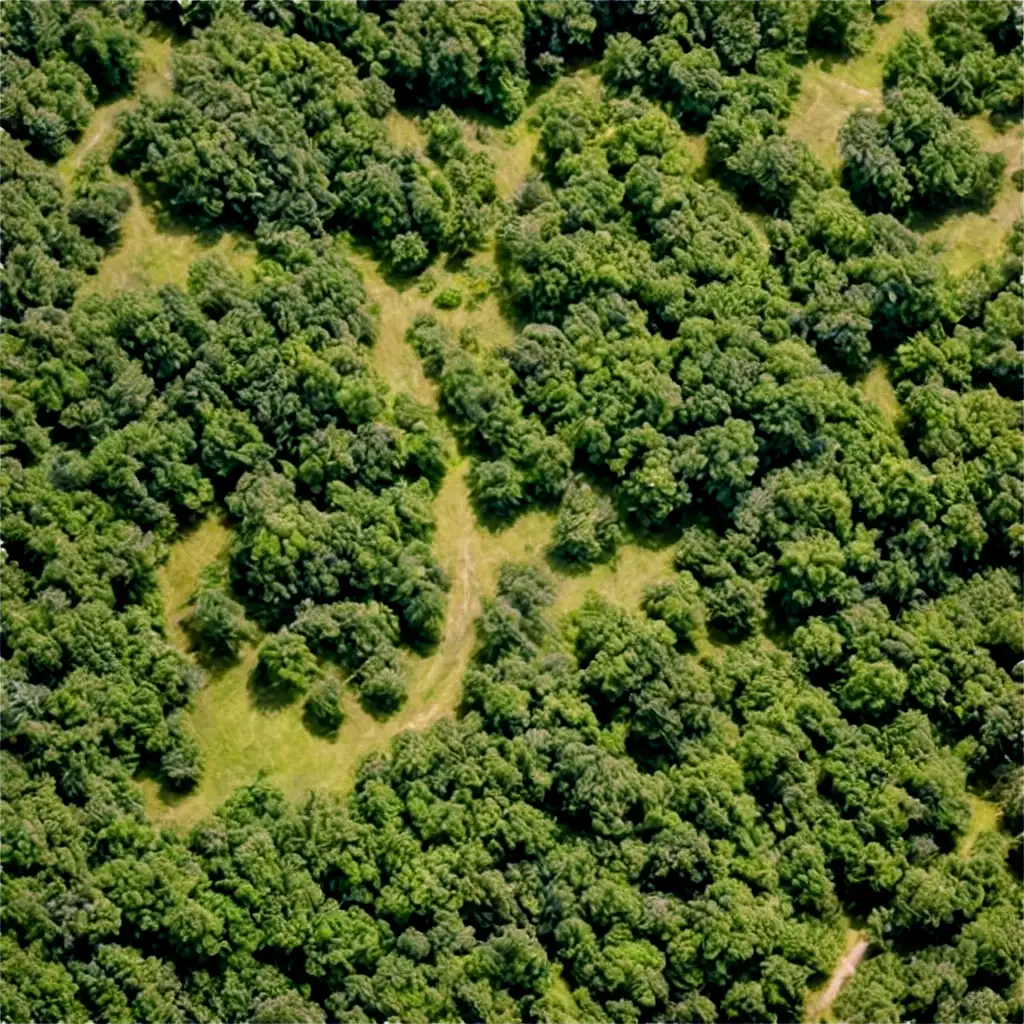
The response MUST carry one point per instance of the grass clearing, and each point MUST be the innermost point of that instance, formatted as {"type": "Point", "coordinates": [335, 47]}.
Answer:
{"type": "Point", "coordinates": [985, 817]}
{"type": "Point", "coordinates": [560, 995]}
{"type": "Point", "coordinates": [152, 251]}
{"type": "Point", "coordinates": [513, 151]}
{"type": "Point", "coordinates": [878, 390]}
{"type": "Point", "coordinates": [820, 1000]}
{"type": "Point", "coordinates": [179, 575]}
{"type": "Point", "coordinates": [155, 79]}
{"type": "Point", "coordinates": [240, 739]}
{"type": "Point", "coordinates": [967, 238]}
{"type": "Point", "coordinates": [832, 89]}
{"type": "Point", "coordinates": [404, 131]}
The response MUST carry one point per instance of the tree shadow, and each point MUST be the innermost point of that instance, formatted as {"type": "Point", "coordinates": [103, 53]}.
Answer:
{"type": "Point", "coordinates": [563, 566]}
{"type": "Point", "coordinates": [215, 663]}
{"type": "Point", "coordinates": [318, 729]}
{"type": "Point", "coordinates": [169, 796]}
{"type": "Point", "coordinates": [264, 697]}
{"type": "Point", "coordinates": [175, 225]}
{"type": "Point", "coordinates": [923, 221]}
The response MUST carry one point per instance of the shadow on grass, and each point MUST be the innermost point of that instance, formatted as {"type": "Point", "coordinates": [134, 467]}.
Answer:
{"type": "Point", "coordinates": [175, 225]}
{"type": "Point", "coordinates": [563, 566]}
{"type": "Point", "coordinates": [924, 221]}
{"type": "Point", "coordinates": [268, 699]}
{"type": "Point", "coordinates": [318, 729]}
{"type": "Point", "coordinates": [167, 795]}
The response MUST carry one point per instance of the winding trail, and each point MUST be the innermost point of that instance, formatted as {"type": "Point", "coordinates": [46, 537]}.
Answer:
{"type": "Point", "coordinates": [822, 1000]}
{"type": "Point", "coordinates": [239, 739]}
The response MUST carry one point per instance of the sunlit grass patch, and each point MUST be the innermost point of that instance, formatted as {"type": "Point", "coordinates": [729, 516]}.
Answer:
{"type": "Point", "coordinates": [879, 391]}
{"type": "Point", "coordinates": [831, 88]}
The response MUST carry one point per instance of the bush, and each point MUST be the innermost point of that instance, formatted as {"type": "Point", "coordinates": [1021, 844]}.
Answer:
{"type": "Point", "coordinates": [677, 603]}
{"type": "Point", "coordinates": [916, 153]}
{"type": "Point", "coordinates": [218, 623]}
{"type": "Point", "coordinates": [448, 298]}
{"type": "Point", "coordinates": [409, 253]}
{"type": "Point", "coordinates": [444, 136]}
{"type": "Point", "coordinates": [323, 704]}
{"type": "Point", "coordinates": [182, 761]}
{"type": "Point", "coordinates": [496, 487]}
{"type": "Point", "coordinates": [586, 529]}
{"type": "Point", "coordinates": [382, 689]}
{"type": "Point", "coordinates": [287, 663]}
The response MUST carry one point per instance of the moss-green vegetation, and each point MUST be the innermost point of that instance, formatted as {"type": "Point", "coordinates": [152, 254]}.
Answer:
{"type": "Point", "coordinates": [856, 943]}
{"type": "Point", "coordinates": [153, 249]}
{"type": "Point", "coordinates": [985, 817]}
{"type": "Point", "coordinates": [968, 238]}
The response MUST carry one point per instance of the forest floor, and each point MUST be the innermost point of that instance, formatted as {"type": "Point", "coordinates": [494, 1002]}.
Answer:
{"type": "Point", "coordinates": [819, 1003]}
{"type": "Point", "coordinates": [985, 815]}
{"type": "Point", "coordinates": [154, 250]}
{"type": "Point", "coordinates": [878, 389]}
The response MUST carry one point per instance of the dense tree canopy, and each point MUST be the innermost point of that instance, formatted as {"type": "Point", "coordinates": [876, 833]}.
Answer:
{"type": "Point", "coordinates": [59, 59]}
{"type": "Point", "coordinates": [668, 812]}
{"type": "Point", "coordinates": [915, 154]}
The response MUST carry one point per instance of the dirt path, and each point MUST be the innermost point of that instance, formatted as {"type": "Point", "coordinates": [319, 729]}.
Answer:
{"type": "Point", "coordinates": [845, 969]}
{"type": "Point", "coordinates": [237, 738]}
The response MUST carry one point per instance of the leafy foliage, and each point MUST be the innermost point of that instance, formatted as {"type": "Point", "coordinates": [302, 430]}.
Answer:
{"type": "Point", "coordinates": [915, 154]}
{"type": "Point", "coordinates": [59, 59]}
{"type": "Point", "coordinates": [972, 61]}
{"type": "Point", "coordinates": [674, 808]}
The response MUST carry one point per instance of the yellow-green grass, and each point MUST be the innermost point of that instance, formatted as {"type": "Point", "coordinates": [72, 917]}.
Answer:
{"type": "Point", "coordinates": [152, 250]}
{"type": "Point", "coordinates": [985, 817]}
{"type": "Point", "coordinates": [968, 238]}
{"type": "Point", "coordinates": [240, 739]}
{"type": "Point", "coordinates": [623, 580]}
{"type": "Point", "coordinates": [155, 79]}
{"type": "Point", "coordinates": [398, 303]}
{"type": "Point", "coordinates": [404, 131]}
{"type": "Point", "coordinates": [511, 148]}
{"type": "Point", "coordinates": [560, 999]}
{"type": "Point", "coordinates": [831, 89]}
{"type": "Point", "coordinates": [878, 390]}
{"type": "Point", "coordinates": [513, 151]}
{"type": "Point", "coordinates": [178, 576]}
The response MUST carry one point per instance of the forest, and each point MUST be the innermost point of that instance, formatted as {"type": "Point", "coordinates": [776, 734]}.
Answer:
{"type": "Point", "coordinates": [460, 273]}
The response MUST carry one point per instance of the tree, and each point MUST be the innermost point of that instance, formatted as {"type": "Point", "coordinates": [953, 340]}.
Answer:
{"type": "Point", "coordinates": [182, 761]}
{"type": "Point", "coordinates": [678, 604]}
{"type": "Point", "coordinates": [586, 529]}
{"type": "Point", "coordinates": [496, 487]}
{"type": "Point", "coordinates": [287, 664]}
{"type": "Point", "coordinates": [915, 151]}
{"type": "Point", "coordinates": [324, 704]}
{"type": "Point", "coordinates": [409, 253]}
{"type": "Point", "coordinates": [218, 622]}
